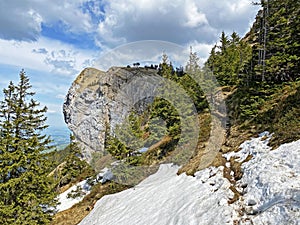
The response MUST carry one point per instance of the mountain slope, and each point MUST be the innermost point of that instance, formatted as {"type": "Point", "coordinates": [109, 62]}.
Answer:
{"type": "Point", "coordinates": [269, 189]}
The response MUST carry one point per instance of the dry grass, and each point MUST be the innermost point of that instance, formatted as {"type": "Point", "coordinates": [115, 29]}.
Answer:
{"type": "Point", "coordinates": [89, 77]}
{"type": "Point", "coordinates": [75, 214]}
{"type": "Point", "coordinates": [236, 195]}
{"type": "Point", "coordinates": [152, 156]}
{"type": "Point", "coordinates": [192, 166]}
{"type": "Point", "coordinates": [100, 162]}
{"type": "Point", "coordinates": [236, 134]}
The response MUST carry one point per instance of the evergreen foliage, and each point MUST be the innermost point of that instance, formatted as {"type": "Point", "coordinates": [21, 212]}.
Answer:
{"type": "Point", "coordinates": [27, 194]}
{"type": "Point", "coordinates": [267, 84]}
{"type": "Point", "coordinates": [160, 122]}
{"type": "Point", "coordinates": [75, 169]}
{"type": "Point", "coordinates": [227, 61]}
{"type": "Point", "coordinates": [276, 42]}
{"type": "Point", "coordinates": [127, 140]}
{"type": "Point", "coordinates": [269, 52]}
{"type": "Point", "coordinates": [283, 45]}
{"type": "Point", "coordinates": [250, 66]}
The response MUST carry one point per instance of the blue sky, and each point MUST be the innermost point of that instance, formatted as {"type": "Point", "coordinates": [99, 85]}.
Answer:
{"type": "Point", "coordinates": [53, 40]}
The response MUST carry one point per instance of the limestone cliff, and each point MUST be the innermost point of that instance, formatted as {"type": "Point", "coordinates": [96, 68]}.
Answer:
{"type": "Point", "coordinates": [94, 104]}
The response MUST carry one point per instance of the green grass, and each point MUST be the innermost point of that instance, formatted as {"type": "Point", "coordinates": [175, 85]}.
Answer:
{"type": "Point", "coordinates": [273, 108]}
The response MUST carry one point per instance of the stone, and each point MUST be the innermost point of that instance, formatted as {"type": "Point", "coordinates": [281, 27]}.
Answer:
{"type": "Point", "coordinates": [97, 101]}
{"type": "Point", "coordinates": [251, 202]}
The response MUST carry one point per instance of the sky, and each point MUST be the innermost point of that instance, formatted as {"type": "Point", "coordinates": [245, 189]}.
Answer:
{"type": "Point", "coordinates": [53, 40]}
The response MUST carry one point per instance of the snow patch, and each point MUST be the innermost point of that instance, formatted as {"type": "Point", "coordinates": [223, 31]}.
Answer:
{"type": "Point", "coordinates": [269, 188]}
{"type": "Point", "coordinates": [166, 198]}
{"type": "Point", "coordinates": [104, 176]}
{"type": "Point", "coordinates": [270, 182]}
{"type": "Point", "coordinates": [66, 203]}
{"type": "Point", "coordinates": [84, 187]}
{"type": "Point", "coordinates": [253, 147]}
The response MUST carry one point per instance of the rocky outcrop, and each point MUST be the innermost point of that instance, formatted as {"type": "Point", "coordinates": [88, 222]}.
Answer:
{"type": "Point", "coordinates": [98, 100]}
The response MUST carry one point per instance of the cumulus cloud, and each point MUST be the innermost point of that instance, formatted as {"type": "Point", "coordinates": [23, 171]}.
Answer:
{"type": "Point", "coordinates": [22, 20]}
{"type": "Point", "coordinates": [145, 52]}
{"type": "Point", "coordinates": [172, 25]}
{"type": "Point", "coordinates": [178, 21]}
{"type": "Point", "coordinates": [194, 17]}
{"type": "Point", "coordinates": [60, 96]}
{"type": "Point", "coordinates": [118, 22]}
{"type": "Point", "coordinates": [62, 61]}
{"type": "Point", "coordinates": [46, 55]}
{"type": "Point", "coordinates": [19, 23]}
{"type": "Point", "coordinates": [184, 22]}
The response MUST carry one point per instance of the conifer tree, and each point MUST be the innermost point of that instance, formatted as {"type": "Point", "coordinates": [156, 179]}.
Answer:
{"type": "Point", "coordinates": [275, 41]}
{"type": "Point", "coordinates": [166, 69]}
{"type": "Point", "coordinates": [192, 64]}
{"type": "Point", "coordinates": [74, 168]}
{"type": "Point", "coordinates": [228, 63]}
{"type": "Point", "coordinates": [27, 193]}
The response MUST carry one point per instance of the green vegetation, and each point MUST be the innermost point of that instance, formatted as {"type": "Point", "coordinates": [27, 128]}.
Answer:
{"type": "Point", "coordinates": [259, 73]}
{"type": "Point", "coordinates": [74, 168]}
{"type": "Point", "coordinates": [68, 166]}
{"type": "Point", "coordinates": [31, 178]}
{"type": "Point", "coordinates": [159, 127]}
{"type": "Point", "coordinates": [230, 59]}
{"type": "Point", "coordinates": [262, 70]}
{"type": "Point", "coordinates": [269, 53]}
{"type": "Point", "coordinates": [127, 139]}
{"type": "Point", "coordinates": [282, 40]}
{"type": "Point", "coordinates": [27, 193]}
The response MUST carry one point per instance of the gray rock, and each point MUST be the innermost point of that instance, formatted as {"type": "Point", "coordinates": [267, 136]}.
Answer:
{"type": "Point", "coordinates": [251, 202]}
{"type": "Point", "coordinates": [97, 101]}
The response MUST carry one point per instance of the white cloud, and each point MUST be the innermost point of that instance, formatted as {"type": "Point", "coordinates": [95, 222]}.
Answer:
{"type": "Point", "coordinates": [184, 22]}
{"type": "Point", "coordinates": [179, 21]}
{"type": "Point", "coordinates": [45, 55]}
{"type": "Point", "coordinates": [124, 21]}
{"type": "Point", "coordinates": [195, 18]}
{"type": "Point", "coordinates": [110, 23]}
{"type": "Point", "coordinates": [60, 96]}
{"type": "Point", "coordinates": [18, 23]}
{"type": "Point", "coordinates": [62, 61]}
{"type": "Point", "coordinates": [53, 108]}
{"type": "Point", "coordinates": [22, 20]}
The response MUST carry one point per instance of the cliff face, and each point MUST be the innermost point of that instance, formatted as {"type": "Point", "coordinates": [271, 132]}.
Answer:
{"type": "Point", "coordinates": [95, 103]}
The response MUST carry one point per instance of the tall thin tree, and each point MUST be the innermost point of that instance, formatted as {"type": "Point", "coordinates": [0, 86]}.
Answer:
{"type": "Point", "coordinates": [27, 193]}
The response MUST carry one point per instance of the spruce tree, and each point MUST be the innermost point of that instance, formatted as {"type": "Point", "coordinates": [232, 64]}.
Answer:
{"type": "Point", "coordinates": [27, 193]}
{"type": "Point", "coordinates": [275, 42]}
{"type": "Point", "coordinates": [229, 61]}
{"type": "Point", "coordinates": [75, 168]}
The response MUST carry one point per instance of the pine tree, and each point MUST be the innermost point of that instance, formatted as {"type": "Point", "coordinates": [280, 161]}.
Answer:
{"type": "Point", "coordinates": [229, 61]}
{"type": "Point", "coordinates": [191, 79]}
{"type": "Point", "coordinates": [193, 62]}
{"type": "Point", "coordinates": [27, 194]}
{"type": "Point", "coordinates": [283, 42]}
{"type": "Point", "coordinates": [74, 168]}
{"type": "Point", "coordinates": [275, 40]}
{"type": "Point", "coordinates": [166, 69]}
